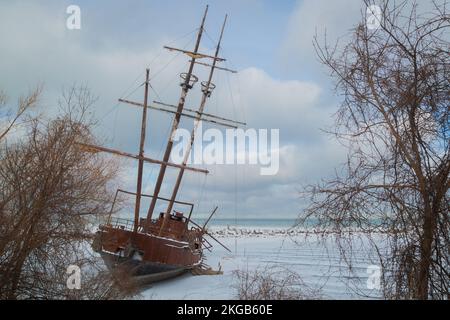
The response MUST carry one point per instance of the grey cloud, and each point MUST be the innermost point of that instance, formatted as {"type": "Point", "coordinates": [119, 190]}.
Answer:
{"type": "Point", "coordinates": [37, 47]}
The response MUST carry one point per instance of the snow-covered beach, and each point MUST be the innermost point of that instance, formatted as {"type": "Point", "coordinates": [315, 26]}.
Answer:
{"type": "Point", "coordinates": [254, 248]}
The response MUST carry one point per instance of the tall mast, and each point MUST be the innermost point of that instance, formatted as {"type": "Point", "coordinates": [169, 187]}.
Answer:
{"type": "Point", "coordinates": [141, 156]}
{"type": "Point", "coordinates": [207, 88]}
{"type": "Point", "coordinates": [185, 88]}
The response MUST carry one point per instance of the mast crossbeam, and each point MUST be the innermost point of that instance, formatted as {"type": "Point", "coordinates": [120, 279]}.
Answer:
{"type": "Point", "coordinates": [195, 116]}
{"type": "Point", "coordinates": [215, 67]}
{"type": "Point", "coordinates": [94, 148]}
{"type": "Point", "coordinates": [203, 114]}
{"type": "Point", "coordinates": [196, 55]}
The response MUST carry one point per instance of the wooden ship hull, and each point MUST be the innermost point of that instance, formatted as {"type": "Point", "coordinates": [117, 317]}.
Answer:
{"type": "Point", "coordinates": [153, 255]}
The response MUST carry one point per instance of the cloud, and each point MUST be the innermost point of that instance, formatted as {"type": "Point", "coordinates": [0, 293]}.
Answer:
{"type": "Point", "coordinates": [311, 17]}
{"type": "Point", "coordinates": [271, 103]}
{"type": "Point", "coordinates": [37, 47]}
{"type": "Point", "coordinates": [336, 19]}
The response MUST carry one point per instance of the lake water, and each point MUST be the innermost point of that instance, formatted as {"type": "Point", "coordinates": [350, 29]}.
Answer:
{"type": "Point", "coordinates": [320, 268]}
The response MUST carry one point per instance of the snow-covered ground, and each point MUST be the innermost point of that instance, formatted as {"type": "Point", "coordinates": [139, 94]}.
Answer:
{"type": "Point", "coordinates": [319, 266]}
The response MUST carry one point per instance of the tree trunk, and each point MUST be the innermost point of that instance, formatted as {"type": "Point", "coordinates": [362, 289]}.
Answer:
{"type": "Point", "coordinates": [425, 253]}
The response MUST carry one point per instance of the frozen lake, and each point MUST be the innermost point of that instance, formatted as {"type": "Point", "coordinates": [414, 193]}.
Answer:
{"type": "Point", "coordinates": [319, 266]}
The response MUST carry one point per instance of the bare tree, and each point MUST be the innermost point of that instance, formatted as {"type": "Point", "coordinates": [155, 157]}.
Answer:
{"type": "Point", "coordinates": [394, 120]}
{"type": "Point", "coordinates": [13, 117]}
{"type": "Point", "coordinates": [50, 193]}
{"type": "Point", "coordinates": [272, 283]}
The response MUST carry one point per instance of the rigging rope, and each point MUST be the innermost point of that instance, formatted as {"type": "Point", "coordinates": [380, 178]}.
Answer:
{"type": "Point", "coordinates": [236, 166]}
{"type": "Point", "coordinates": [142, 72]}
{"type": "Point", "coordinates": [166, 85]}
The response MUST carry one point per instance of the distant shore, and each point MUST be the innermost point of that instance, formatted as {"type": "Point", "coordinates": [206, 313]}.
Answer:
{"type": "Point", "coordinates": [256, 232]}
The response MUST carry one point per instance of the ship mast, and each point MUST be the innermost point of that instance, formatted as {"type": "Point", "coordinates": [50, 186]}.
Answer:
{"type": "Point", "coordinates": [186, 85]}
{"type": "Point", "coordinates": [207, 88]}
{"type": "Point", "coordinates": [141, 155]}
{"type": "Point", "coordinates": [188, 81]}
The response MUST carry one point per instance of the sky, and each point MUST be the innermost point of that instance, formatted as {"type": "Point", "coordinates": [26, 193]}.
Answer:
{"type": "Point", "coordinates": [280, 84]}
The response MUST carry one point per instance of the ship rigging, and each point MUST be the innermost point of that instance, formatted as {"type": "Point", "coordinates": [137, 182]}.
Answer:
{"type": "Point", "coordinates": [156, 248]}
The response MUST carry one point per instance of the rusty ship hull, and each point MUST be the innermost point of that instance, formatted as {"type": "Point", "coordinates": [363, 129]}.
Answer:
{"type": "Point", "coordinates": [151, 254]}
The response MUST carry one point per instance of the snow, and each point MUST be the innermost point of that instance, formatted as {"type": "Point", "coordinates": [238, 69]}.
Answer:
{"type": "Point", "coordinates": [319, 266]}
